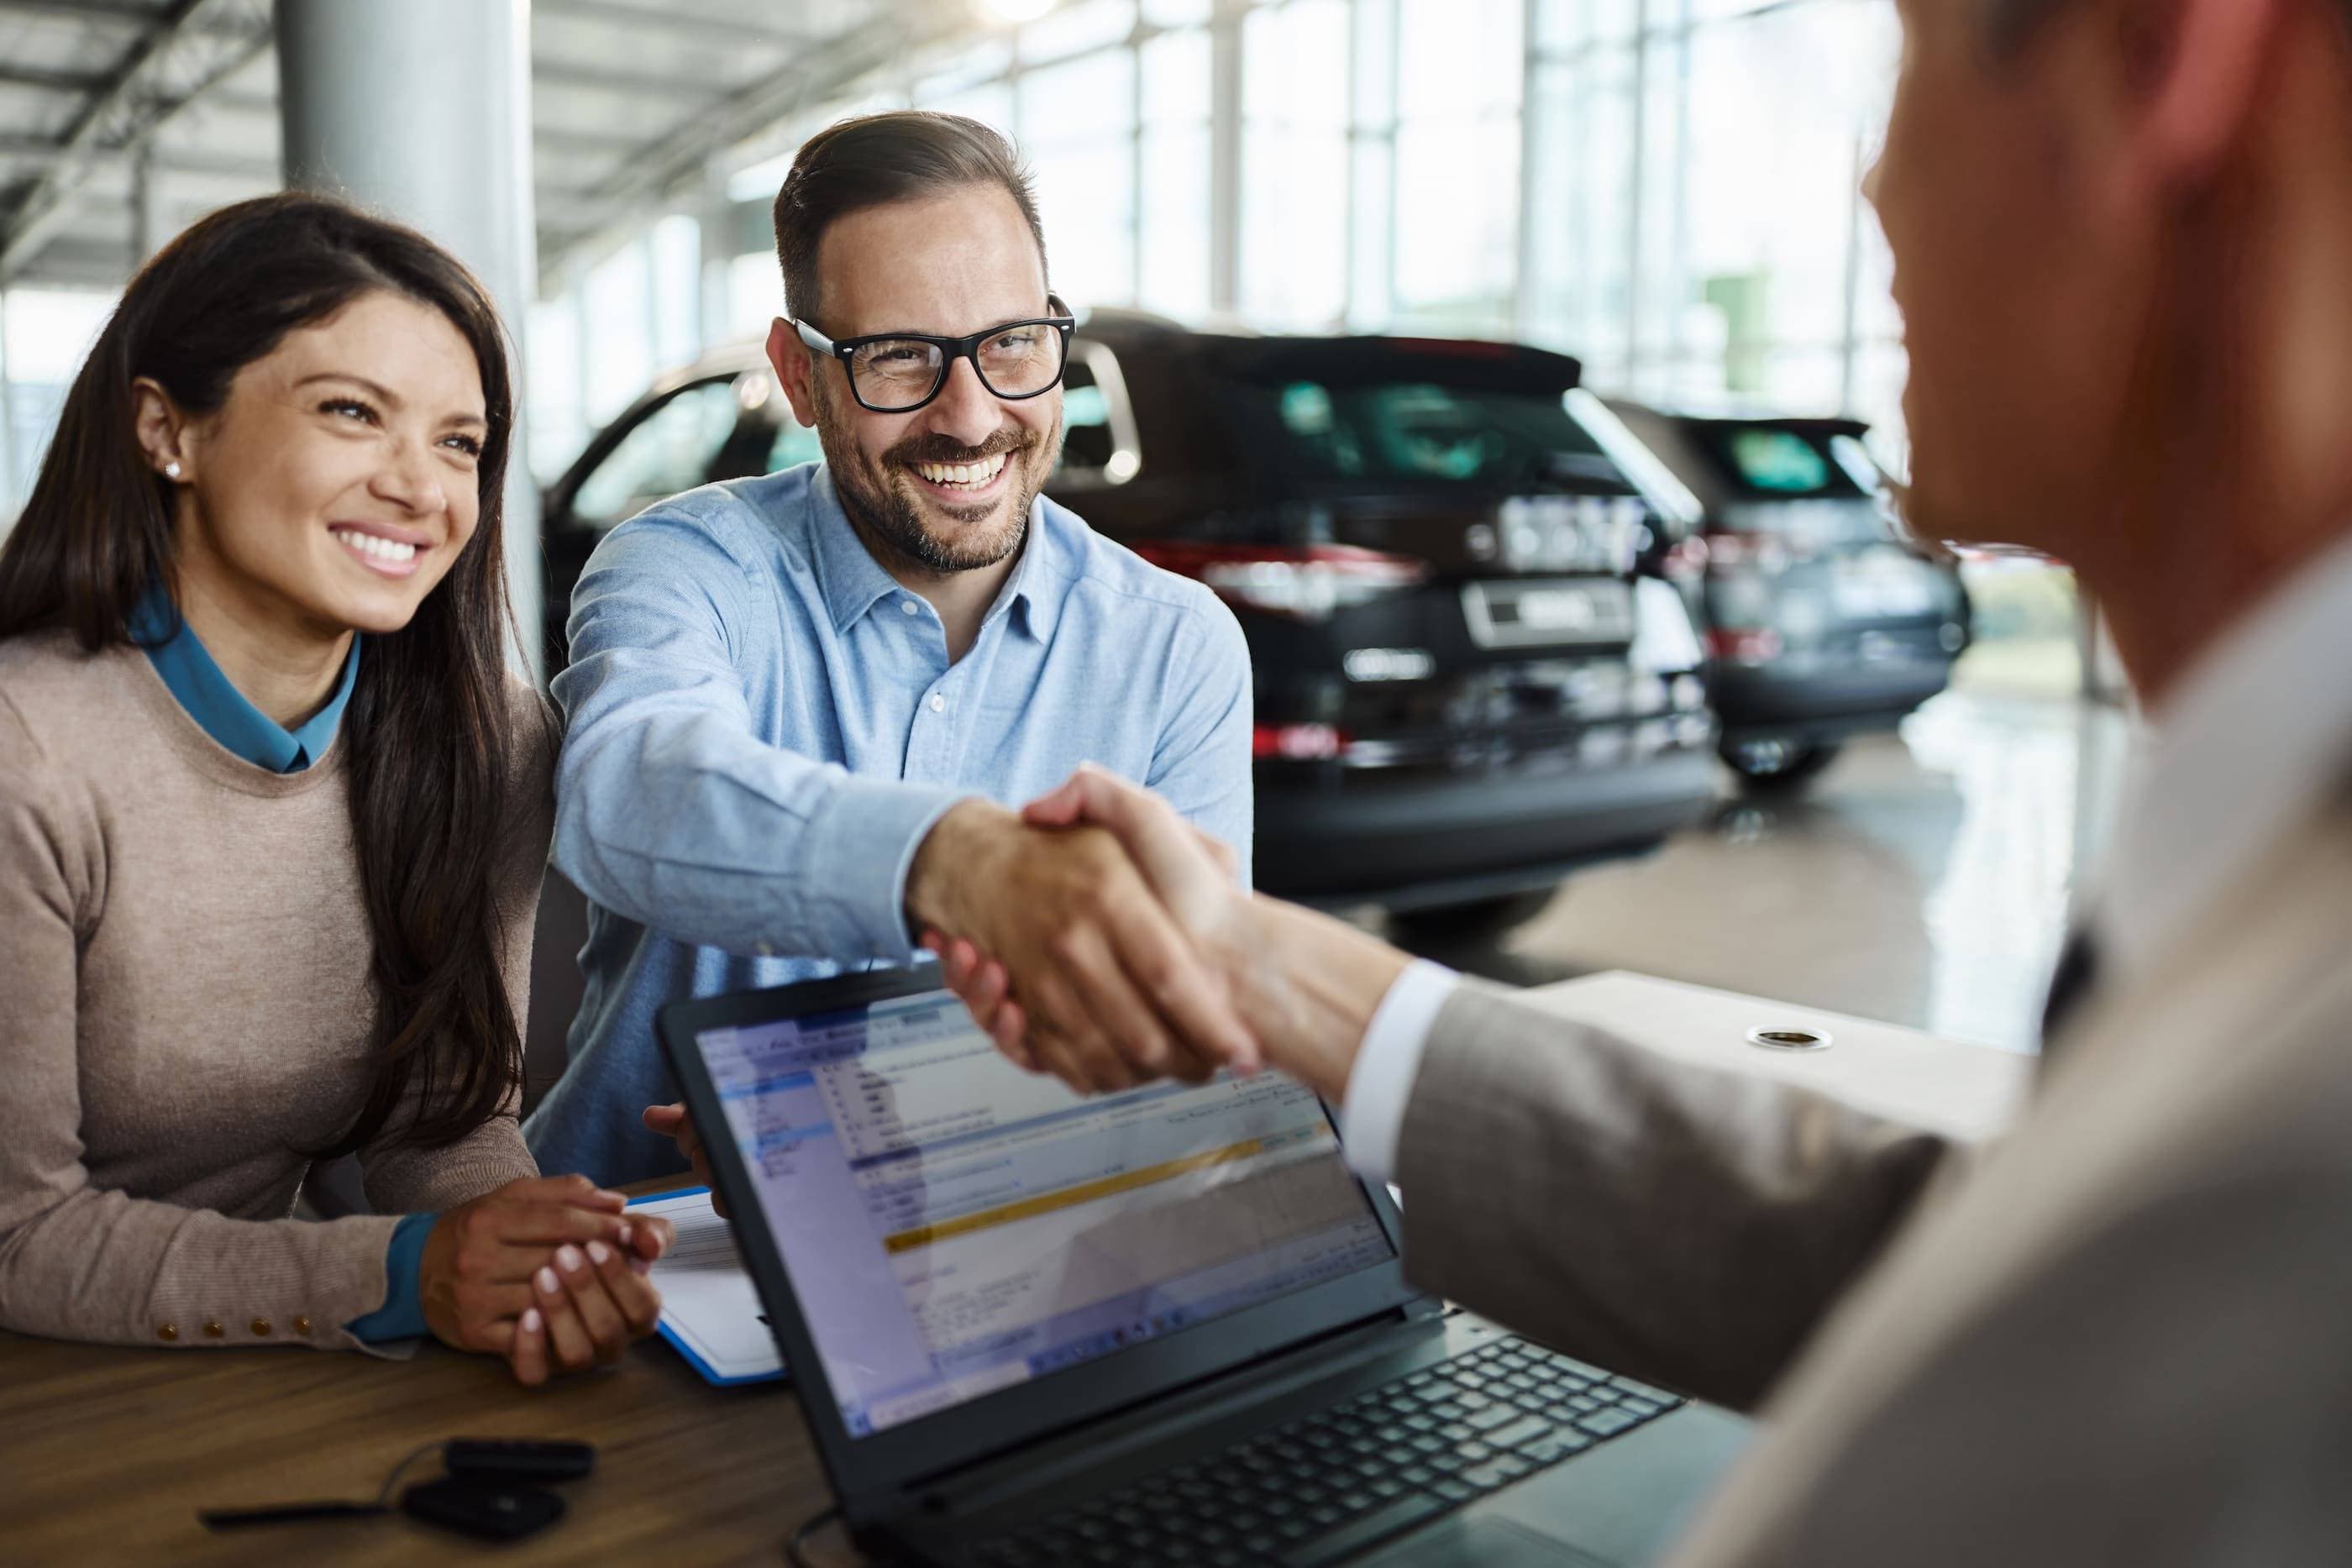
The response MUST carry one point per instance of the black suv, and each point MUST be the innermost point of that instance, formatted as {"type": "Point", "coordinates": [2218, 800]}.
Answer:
{"type": "Point", "coordinates": [1820, 620]}
{"type": "Point", "coordinates": [1461, 692]}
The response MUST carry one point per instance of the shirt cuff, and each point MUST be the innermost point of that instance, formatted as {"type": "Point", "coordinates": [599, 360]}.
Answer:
{"type": "Point", "coordinates": [866, 840]}
{"type": "Point", "coordinates": [402, 1316]}
{"type": "Point", "coordinates": [1371, 1117]}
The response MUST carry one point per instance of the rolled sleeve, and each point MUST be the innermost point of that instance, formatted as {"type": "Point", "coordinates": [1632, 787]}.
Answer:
{"type": "Point", "coordinates": [863, 849]}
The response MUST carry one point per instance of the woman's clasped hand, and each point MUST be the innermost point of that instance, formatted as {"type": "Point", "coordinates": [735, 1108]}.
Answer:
{"type": "Point", "coordinates": [551, 1272]}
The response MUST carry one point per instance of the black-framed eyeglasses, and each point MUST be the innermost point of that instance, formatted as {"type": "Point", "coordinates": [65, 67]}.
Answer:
{"type": "Point", "coordinates": [899, 372]}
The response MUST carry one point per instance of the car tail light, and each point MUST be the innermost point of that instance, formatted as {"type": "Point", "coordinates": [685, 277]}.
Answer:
{"type": "Point", "coordinates": [1308, 583]}
{"type": "Point", "coordinates": [1744, 645]}
{"type": "Point", "coordinates": [1761, 551]}
{"type": "Point", "coordinates": [1297, 742]}
{"type": "Point", "coordinates": [1686, 559]}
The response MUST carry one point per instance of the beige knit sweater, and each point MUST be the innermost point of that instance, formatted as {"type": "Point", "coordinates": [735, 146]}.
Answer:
{"type": "Point", "coordinates": [184, 1003]}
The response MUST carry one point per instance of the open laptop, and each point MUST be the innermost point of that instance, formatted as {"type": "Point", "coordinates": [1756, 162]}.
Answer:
{"type": "Point", "coordinates": [1167, 1326]}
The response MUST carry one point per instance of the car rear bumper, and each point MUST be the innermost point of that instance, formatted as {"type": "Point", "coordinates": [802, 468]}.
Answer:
{"type": "Point", "coordinates": [1837, 700]}
{"type": "Point", "coordinates": [1402, 843]}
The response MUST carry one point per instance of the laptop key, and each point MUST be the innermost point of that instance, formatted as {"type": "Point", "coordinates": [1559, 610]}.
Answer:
{"type": "Point", "coordinates": [1558, 1447]}
{"type": "Point", "coordinates": [1499, 1472]}
{"type": "Point", "coordinates": [1607, 1423]}
{"type": "Point", "coordinates": [1345, 1542]}
{"type": "Point", "coordinates": [1526, 1429]}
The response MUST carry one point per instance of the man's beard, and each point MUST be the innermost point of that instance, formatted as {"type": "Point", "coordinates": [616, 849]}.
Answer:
{"type": "Point", "coordinates": [891, 522]}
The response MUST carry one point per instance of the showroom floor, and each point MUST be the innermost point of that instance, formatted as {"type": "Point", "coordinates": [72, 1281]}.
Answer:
{"type": "Point", "coordinates": [1923, 879]}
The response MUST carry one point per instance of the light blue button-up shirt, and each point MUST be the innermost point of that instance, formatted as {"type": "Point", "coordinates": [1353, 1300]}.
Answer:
{"type": "Point", "coordinates": [763, 725]}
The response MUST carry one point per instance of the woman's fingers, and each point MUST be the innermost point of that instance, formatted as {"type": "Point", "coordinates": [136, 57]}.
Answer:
{"type": "Point", "coordinates": [567, 1343]}
{"type": "Point", "coordinates": [552, 1224]}
{"type": "Point", "coordinates": [575, 1190]}
{"type": "Point", "coordinates": [526, 1355]}
{"type": "Point", "coordinates": [600, 1315]}
{"type": "Point", "coordinates": [634, 1295]}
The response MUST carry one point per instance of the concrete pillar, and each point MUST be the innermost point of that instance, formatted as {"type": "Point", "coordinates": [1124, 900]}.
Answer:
{"type": "Point", "coordinates": [1226, 155]}
{"type": "Point", "coordinates": [421, 111]}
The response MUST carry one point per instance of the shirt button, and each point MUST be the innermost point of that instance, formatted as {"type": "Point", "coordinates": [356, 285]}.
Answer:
{"type": "Point", "coordinates": [938, 703]}
{"type": "Point", "coordinates": [167, 1331]}
{"type": "Point", "coordinates": [905, 607]}
{"type": "Point", "coordinates": [261, 1328]}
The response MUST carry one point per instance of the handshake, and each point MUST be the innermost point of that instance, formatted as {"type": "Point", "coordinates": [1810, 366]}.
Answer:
{"type": "Point", "coordinates": [1099, 938]}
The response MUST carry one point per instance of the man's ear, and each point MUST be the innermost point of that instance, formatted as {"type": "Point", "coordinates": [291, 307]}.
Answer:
{"type": "Point", "coordinates": [2192, 73]}
{"type": "Point", "coordinates": [165, 433]}
{"type": "Point", "coordinates": [795, 369]}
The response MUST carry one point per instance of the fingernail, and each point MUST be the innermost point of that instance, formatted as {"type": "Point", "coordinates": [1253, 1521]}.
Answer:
{"type": "Point", "coordinates": [531, 1318]}
{"type": "Point", "coordinates": [642, 1265]}
{"type": "Point", "coordinates": [599, 1254]}
{"type": "Point", "coordinates": [547, 1281]}
{"type": "Point", "coordinates": [569, 1257]}
{"type": "Point", "coordinates": [627, 1230]}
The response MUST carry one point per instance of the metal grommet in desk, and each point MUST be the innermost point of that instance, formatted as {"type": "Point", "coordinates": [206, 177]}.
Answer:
{"type": "Point", "coordinates": [1791, 1038]}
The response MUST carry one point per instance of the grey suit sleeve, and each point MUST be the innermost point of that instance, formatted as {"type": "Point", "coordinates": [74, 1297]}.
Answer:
{"type": "Point", "coordinates": [1678, 1224]}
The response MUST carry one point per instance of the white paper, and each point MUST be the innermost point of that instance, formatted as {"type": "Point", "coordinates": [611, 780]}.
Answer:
{"type": "Point", "coordinates": [710, 1309]}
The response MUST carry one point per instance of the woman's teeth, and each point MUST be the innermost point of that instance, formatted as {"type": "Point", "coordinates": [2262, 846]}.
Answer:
{"type": "Point", "coordinates": [964, 476]}
{"type": "Point", "coordinates": [381, 549]}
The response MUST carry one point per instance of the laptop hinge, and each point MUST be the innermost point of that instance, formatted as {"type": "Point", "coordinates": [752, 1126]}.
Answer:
{"type": "Point", "coordinates": [1108, 1438]}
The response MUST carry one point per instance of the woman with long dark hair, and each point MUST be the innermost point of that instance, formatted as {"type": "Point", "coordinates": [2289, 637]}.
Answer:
{"type": "Point", "coordinates": [272, 823]}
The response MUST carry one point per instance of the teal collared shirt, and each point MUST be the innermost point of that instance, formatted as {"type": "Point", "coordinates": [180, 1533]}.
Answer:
{"type": "Point", "coordinates": [243, 730]}
{"type": "Point", "coordinates": [213, 700]}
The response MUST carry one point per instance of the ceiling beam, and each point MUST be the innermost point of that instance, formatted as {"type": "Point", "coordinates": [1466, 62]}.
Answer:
{"type": "Point", "coordinates": [600, 78]}
{"type": "Point", "coordinates": [51, 80]}
{"type": "Point", "coordinates": [673, 19]}
{"type": "Point", "coordinates": [683, 158]}
{"type": "Point", "coordinates": [104, 13]}
{"type": "Point", "coordinates": [136, 99]}
{"type": "Point", "coordinates": [32, 149]}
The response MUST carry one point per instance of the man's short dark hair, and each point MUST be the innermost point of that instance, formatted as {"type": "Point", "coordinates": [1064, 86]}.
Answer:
{"type": "Point", "coordinates": [883, 158]}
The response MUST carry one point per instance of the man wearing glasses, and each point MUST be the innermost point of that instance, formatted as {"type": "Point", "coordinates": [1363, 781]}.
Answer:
{"type": "Point", "coordinates": [798, 705]}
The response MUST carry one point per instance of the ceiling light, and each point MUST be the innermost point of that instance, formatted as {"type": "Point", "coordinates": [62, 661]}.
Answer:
{"type": "Point", "coordinates": [1019, 10]}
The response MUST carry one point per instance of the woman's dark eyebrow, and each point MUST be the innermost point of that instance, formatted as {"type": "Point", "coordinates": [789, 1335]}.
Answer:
{"type": "Point", "coordinates": [386, 396]}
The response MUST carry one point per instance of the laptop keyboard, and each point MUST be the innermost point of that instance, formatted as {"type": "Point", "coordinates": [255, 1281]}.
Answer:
{"type": "Point", "coordinates": [1328, 1486]}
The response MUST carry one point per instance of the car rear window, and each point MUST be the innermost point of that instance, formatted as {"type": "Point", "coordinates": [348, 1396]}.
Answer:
{"type": "Point", "coordinates": [1423, 431]}
{"type": "Point", "coordinates": [1771, 461]}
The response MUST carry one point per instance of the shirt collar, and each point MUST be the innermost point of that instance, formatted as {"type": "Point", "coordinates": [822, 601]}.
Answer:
{"type": "Point", "coordinates": [852, 581]}
{"type": "Point", "coordinates": [223, 712]}
{"type": "Point", "coordinates": [2256, 736]}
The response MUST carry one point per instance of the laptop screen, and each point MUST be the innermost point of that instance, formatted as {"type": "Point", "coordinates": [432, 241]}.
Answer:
{"type": "Point", "coordinates": [954, 1225]}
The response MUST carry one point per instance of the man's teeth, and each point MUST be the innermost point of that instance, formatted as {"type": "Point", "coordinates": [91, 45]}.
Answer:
{"type": "Point", "coordinates": [971, 475]}
{"type": "Point", "coordinates": [380, 548]}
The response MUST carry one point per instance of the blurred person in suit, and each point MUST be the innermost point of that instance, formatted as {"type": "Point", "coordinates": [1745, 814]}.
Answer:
{"type": "Point", "coordinates": [273, 819]}
{"type": "Point", "coordinates": [2123, 231]}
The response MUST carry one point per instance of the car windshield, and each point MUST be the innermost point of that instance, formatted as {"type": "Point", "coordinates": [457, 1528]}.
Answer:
{"type": "Point", "coordinates": [1421, 432]}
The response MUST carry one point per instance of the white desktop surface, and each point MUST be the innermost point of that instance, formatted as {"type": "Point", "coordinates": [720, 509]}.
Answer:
{"type": "Point", "coordinates": [1963, 1090]}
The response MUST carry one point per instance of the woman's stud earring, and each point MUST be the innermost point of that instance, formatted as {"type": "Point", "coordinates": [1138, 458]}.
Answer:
{"type": "Point", "coordinates": [172, 469]}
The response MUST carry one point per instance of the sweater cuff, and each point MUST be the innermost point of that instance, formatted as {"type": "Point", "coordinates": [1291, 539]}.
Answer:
{"type": "Point", "coordinates": [402, 1316]}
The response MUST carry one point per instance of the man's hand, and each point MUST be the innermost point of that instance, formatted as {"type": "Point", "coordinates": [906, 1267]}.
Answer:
{"type": "Point", "coordinates": [1113, 992]}
{"type": "Point", "coordinates": [483, 1276]}
{"type": "Point", "coordinates": [1307, 984]}
{"type": "Point", "coordinates": [672, 1122]}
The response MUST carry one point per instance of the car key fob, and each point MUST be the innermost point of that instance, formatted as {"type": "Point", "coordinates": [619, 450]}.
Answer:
{"type": "Point", "coordinates": [485, 1510]}
{"type": "Point", "coordinates": [516, 1459]}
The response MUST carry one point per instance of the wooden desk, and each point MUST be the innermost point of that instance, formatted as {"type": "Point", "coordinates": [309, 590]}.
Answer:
{"type": "Point", "coordinates": [106, 1454]}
